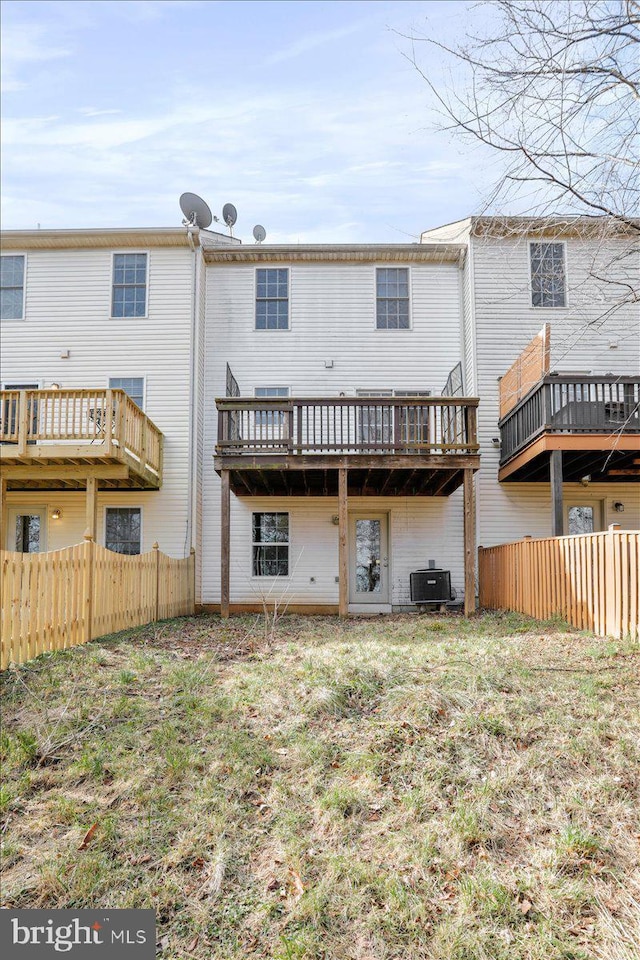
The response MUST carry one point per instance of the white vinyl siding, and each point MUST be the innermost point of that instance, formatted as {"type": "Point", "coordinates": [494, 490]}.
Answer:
{"type": "Point", "coordinates": [334, 305]}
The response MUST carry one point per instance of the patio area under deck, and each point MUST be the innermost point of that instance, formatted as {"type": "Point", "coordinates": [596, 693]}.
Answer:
{"type": "Point", "coordinates": [344, 447]}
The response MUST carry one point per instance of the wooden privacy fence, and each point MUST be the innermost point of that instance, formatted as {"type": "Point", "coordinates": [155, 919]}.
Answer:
{"type": "Point", "coordinates": [50, 601]}
{"type": "Point", "coordinates": [591, 580]}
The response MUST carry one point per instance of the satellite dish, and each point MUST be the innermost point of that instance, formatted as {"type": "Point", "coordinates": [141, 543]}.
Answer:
{"type": "Point", "coordinates": [259, 233]}
{"type": "Point", "coordinates": [195, 210]}
{"type": "Point", "coordinates": [229, 214]}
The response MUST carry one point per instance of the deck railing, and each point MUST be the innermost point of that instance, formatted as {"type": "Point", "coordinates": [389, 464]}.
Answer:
{"type": "Point", "coordinates": [108, 417]}
{"type": "Point", "coordinates": [573, 405]}
{"type": "Point", "coordinates": [347, 425]}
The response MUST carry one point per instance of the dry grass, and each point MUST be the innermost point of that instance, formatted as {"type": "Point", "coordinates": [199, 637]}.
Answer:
{"type": "Point", "coordinates": [400, 787]}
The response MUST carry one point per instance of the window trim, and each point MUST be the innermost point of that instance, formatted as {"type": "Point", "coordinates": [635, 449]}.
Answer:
{"type": "Point", "coordinates": [392, 266]}
{"type": "Point", "coordinates": [19, 253]}
{"type": "Point", "coordinates": [114, 254]}
{"type": "Point", "coordinates": [563, 243]}
{"type": "Point", "coordinates": [120, 506]}
{"type": "Point", "coordinates": [270, 576]}
{"type": "Point", "coordinates": [258, 329]}
{"type": "Point", "coordinates": [130, 377]}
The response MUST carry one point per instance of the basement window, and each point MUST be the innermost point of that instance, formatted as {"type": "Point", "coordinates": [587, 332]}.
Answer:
{"type": "Point", "coordinates": [123, 529]}
{"type": "Point", "coordinates": [270, 544]}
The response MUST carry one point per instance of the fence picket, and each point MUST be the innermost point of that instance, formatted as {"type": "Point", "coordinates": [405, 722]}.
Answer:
{"type": "Point", "coordinates": [591, 580]}
{"type": "Point", "coordinates": [59, 599]}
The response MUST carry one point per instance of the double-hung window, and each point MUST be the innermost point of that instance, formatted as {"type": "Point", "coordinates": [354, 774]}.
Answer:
{"type": "Point", "coordinates": [132, 386]}
{"type": "Point", "coordinates": [270, 418]}
{"type": "Point", "coordinates": [392, 298]}
{"type": "Point", "coordinates": [270, 539]}
{"type": "Point", "coordinates": [547, 275]}
{"type": "Point", "coordinates": [272, 298]}
{"type": "Point", "coordinates": [129, 294]}
{"type": "Point", "coordinates": [12, 288]}
{"type": "Point", "coordinates": [123, 528]}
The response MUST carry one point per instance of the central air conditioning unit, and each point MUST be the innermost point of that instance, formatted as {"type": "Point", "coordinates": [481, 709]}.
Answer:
{"type": "Point", "coordinates": [431, 586]}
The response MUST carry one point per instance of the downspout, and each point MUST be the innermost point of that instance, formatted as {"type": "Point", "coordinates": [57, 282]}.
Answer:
{"type": "Point", "coordinates": [192, 236]}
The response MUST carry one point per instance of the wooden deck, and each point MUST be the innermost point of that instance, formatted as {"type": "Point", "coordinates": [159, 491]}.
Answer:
{"type": "Point", "coordinates": [60, 439]}
{"type": "Point", "coordinates": [391, 446]}
{"type": "Point", "coordinates": [594, 422]}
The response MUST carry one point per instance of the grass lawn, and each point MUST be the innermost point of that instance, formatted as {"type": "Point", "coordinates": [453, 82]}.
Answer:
{"type": "Point", "coordinates": [400, 787]}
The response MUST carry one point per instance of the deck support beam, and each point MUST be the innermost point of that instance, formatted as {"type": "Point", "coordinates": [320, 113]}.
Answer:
{"type": "Point", "coordinates": [555, 465]}
{"type": "Point", "coordinates": [343, 543]}
{"type": "Point", "coordinates": [225, 543]}
{"type": "Point", "coordinates": [469, 545]}
{"type": "Point", "coordinates": [3, 513]}
{"type": "Point", "coordinates": [91, 508]}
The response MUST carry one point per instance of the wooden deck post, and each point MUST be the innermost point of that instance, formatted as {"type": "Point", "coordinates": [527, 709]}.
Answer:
{"type": "Point", "coordinates": [555, 467]}
{"type": "Point", "coordinates": [343, 543]}
{"type": "Point", "coordinates": [92, 507]}
{"type": "Point", "coordinates": [469, 544]}
{"type": "Point", "coordinates": [3, 514]}
{"type": "Point", "coordinates": [225, 543]}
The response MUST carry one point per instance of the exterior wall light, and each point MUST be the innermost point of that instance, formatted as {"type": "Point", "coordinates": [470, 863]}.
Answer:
{"type": "Point", "coordinates": [618, 507]}
{"type": "Point", "coordinates": [56, 514]}
{"type": "Point", "coordinates": [335, 520]}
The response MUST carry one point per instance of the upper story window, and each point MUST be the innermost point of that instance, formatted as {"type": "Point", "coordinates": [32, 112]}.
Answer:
{"type": "Point", "coordinates": [12, 288]}
{"type": "Point", "coordinates": [392, 298]}
{"type": "Point", "coordinates": [547, 275]}
{"type": "Point", "coordinates": [129, 285]}
{"type": "Point", "coordinates": [132, 386]}
{"type": "Point", "coordinates": [272, 299]}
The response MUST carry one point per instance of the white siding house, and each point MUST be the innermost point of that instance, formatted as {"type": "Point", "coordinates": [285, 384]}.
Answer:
{"type": "Point", "coordinates": [75, 327]}
{"type": "Point", "coordinates": [286, 414]}
{"type": "Point", "coordinates": [331, 346]}
{"type": "Point", "coordinates": [594, 334]}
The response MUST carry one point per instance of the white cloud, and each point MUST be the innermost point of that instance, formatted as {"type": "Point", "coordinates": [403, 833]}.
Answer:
{"type": "Point", "coordinates": [311, 42]}
{"type": "Point", "coordinates": [24, 45]}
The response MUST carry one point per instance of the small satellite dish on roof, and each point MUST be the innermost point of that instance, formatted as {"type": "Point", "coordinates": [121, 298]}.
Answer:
{"type": "Point", "coordinates": [195, 210]}
{"type": "Point", "coordinates": [259, 233]}
{"type": "Point", "coordinates": [229, 214]}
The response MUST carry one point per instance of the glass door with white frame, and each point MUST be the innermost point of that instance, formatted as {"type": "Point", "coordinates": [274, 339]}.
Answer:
{"type": "Point", "coordinates": [369, 559]}
{"type": "Point", "coordinates": [26, 529]}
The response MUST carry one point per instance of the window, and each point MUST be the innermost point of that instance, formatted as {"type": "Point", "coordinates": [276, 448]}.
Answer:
{"type": "Point", "coordinates": [374, 420]}
{"type": "Point", "coordinates": [584, 517]}
{"type": "Point", "coordinates": [9, 411]}
{"type": "Point", "coordinates": [26, 530]}
{"type": "Point", "coordinates": [270, 418]}
{"type": "Point", "coordinates": [547, 275]}
{"type": "Point", "coordinates": [129, 285]}
{"type": "Point", "coordinates": [132, 386]}
{"type": "Point", "coordinates": [11, 288]}
{"type": "Point", "coordinates": [122, 529]}
{"type": "Point", "coordinates": [272, 299]}
{"type": "Point", "coordinates": [392, 298]}
{"type": "Point", "coordinates": [270, 544]}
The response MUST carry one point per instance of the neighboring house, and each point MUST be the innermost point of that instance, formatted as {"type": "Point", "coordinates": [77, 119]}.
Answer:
{"type": "Point", "coordinates": [573, 404]}
{"type": "Point", "coordinates": [315, 403]}
{"type": "Point", "coordinates": [98, 387]}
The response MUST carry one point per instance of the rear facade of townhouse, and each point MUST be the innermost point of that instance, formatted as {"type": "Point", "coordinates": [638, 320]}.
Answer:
{"type": "Point", "coordinates": [318, 422]}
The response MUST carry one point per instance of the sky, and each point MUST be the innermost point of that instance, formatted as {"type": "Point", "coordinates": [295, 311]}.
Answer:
{"type": "Point", "coordinates": [308, 116]}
